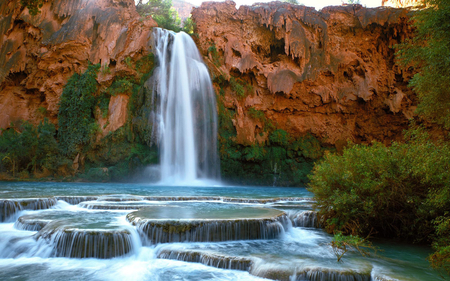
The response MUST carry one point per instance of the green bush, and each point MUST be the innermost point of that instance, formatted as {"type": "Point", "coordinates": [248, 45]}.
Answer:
{"type": "Point", "coordinates": [29, 148]}
{"type": "Point", "coordinates": [399, 191]}
{"type": "Point", "coordinates": [280, 137]}
{"type": "Point", "coordinates": [238, 87]}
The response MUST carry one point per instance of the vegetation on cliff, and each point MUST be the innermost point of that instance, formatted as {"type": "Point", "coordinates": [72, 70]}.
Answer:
{"type": "Point", "coordinates": [76, 121]}
{"type": "Point", "coordinates": [32, 5]}
{"type": "Point", "coordinates": [429, 52]}
{"type": "Point", "coordinates": [28, 151]}
{"type": "Point", "coordinates": [281, 160]}
{"type": "Point", "coordinates": [403, 190]}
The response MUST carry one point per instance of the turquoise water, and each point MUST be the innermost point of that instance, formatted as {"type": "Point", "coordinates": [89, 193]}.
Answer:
{"type": "Point", "coordinates": [38, 189]}
{"type": "Point", "coordinates": [298, 253]}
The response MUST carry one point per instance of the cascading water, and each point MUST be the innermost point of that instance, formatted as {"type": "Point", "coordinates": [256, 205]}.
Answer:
{"type": "Point", "coordinates": [185, 115]}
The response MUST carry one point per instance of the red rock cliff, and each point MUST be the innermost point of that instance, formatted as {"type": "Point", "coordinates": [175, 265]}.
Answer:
{"type": "Point", "coordinates": [39, 53]}
{"type": "Point", "coordinates": [331, 73]}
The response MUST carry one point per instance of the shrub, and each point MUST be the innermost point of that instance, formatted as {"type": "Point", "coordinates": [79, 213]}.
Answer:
{"type": "Point", "coordinates": [399, 191]}
{"type": "Point", "coordinates": [29, 148]}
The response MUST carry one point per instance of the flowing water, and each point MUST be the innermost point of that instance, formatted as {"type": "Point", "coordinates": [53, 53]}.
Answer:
{"type": "Point", "coordinates": [74, 231]}
{"type": "Point", "coordinates": [185, 114]}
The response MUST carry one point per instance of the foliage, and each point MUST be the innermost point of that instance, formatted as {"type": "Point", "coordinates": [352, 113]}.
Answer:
{"type": "Point", "coordinates": [429, 53]}
{"type": "Point", "coordinates": [41, 111]}
{"type": "Point", "coordinates": [256, 114]}
{"type": "Point", "coordinates": [238, 86]}
{"type": "Point", "coordinates": [398, 191]}
{"type": "Point", "coordinates": [162, 12]}
{"type": "Point", "coordinates": [440, 259]}
{"type": "Point", "coordinates": [145, 66]}
{"type": "Point", "coordinates": [274, 162]}
{"type": "Point", "coordinates": [32, 5]}
{"type": "Point", "coordinates": [120, 86]}
{"type": "Point", "coordinates": [103, 103]}
{"type": "Point", "coordinates": [214, 54]}
{"type": "Point", "coordinates": [188, 26]}
{"type": "Point", "coordinates": [279, 137]}
{"type": "Point", "coordinates": [105, 69]}
{"type": "Point", "coordinates": [341, 244]}
{"type": "Point", "coordinates": [29, 148]}
{"type": "Point", "coordinates": [76, 120]}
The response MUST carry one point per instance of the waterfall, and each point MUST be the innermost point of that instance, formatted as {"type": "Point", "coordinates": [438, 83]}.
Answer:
{"type": "Point", "coordinates": [185, 115]}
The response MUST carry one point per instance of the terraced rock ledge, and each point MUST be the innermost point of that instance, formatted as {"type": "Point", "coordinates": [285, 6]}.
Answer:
{"type": "Point", "coordinates": [201, 223]}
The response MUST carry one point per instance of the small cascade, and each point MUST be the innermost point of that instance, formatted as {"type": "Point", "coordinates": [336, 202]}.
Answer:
{"type": "Point", "coordinates": [318, 274]}
{"type": "Point", "coordinates": [185, 117]}
{"type": "Point", "coordinates": [9, 207]}
{"type": "Point", "coordinates": [158, 231]}
{"type": "Point", "coordinates": [101, 206]}
{"type": "Point", "coordinates": [75, 200]}
{"type": "Point", "coordinates": [306, 219]}
{"type": "Point", "coordinates": [183, 198]}
{"type": "Point", "coordinates": [206, 258]}
{"type": "Point", "coordinates": [120, 198]}
{"type": "Point", "coordinates": [283, 273]}
{"type": "Point", "coordinates": [24, 223]}
{"type": "Point", "coordinates": [207, 222]}
{"type": "Point", "coordinates": [89, 243]}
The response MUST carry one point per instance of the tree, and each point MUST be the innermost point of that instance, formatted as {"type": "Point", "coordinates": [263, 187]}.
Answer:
{"type": "Point", "coordinates": [428, 52]}
{"type": "Point", "coordinates": [162, 12]}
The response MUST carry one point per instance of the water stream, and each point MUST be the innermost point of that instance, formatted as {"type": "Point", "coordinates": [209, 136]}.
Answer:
{"type": "Point", "coordinates": [154, 232]}
{"type": "Point", "coordinates": [185, 116]}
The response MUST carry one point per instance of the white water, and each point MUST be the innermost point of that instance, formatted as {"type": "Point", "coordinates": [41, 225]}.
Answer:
{"type": "Point", "coordinates": [299, 253]}
{"type": "Point", "coordinates": [185, 119]}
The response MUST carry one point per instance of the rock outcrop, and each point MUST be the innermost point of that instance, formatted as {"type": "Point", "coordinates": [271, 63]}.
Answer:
{"type": "Point", "coordinates": [38, 54]}
{"type": "Point", "coordinates": [331, 73]}
{"type": "Point", "coordinates": [183, 9]}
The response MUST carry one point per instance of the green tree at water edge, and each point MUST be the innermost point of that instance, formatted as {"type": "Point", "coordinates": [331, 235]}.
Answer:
{"type": "Point", "coordinates": [428, 52]}
{"type": "Point", "coordinates": [27, 148]}
{"type": "Point", "coordinates": [401, 191]}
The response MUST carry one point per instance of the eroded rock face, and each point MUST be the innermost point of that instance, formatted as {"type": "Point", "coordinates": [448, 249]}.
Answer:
{"type": "Point", "coordinates": [331, 73]}
{"type": "Point", "coordinates": [38, 54]}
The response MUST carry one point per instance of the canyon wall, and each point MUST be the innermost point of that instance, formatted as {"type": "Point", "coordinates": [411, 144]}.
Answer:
{"type": "Point", "coordinates": [291, 82]}
{"type": "Point", "coordinates": [330, 73]}
{"type": "Point", "coordinates": [38, 54]}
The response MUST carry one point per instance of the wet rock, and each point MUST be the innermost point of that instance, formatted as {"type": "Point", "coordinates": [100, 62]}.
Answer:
{"type": "Point", "coordinates": [9, 207]}
{"type": "Point", "coordinates": [207, 258]}
{"type": "Point", "coordinates": [159, 224]}
{"type": "Point", "coordinates": [86, 243]}
{"type": "Point", "coordinates": [306, 219]}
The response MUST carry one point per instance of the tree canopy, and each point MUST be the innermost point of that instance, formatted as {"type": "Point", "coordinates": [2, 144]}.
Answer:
{"type": "Point", "coordinates": [162, 12]}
